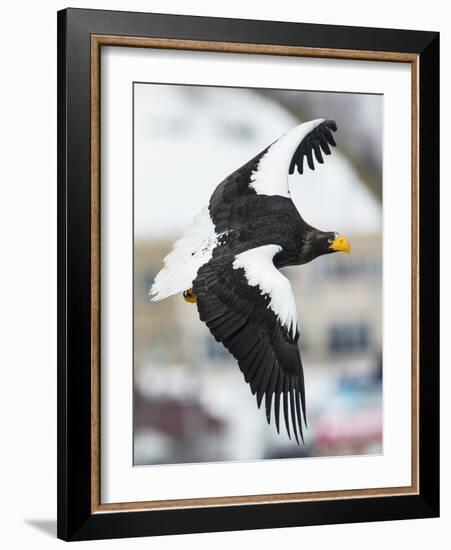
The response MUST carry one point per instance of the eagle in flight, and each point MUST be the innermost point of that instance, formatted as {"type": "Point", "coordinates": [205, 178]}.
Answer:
{"type": "Point", "coordinates": [228, 260]}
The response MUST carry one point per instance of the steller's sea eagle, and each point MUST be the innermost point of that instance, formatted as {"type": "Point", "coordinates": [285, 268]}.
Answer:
{"type": "Point", "coordinates": [228, 260]}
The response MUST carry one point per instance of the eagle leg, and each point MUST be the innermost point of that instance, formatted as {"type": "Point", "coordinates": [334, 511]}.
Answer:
{"type": "Point", "coordinates": [189, 296]}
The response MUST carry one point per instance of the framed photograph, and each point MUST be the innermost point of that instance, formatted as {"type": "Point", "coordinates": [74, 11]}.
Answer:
{"type": "Point", "coordinates": [248, 274]}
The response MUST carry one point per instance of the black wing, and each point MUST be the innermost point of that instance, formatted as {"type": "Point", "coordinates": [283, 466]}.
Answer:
{"type": "Point", "coordinates": [240, 316]}
{"type": "Point", "coordinates": [229, 203]}
{"type": "Point", "coordinates": [316, 141]}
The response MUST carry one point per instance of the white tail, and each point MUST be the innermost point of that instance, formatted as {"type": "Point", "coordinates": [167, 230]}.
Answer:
{"type": "Point", "coordinates": [189, 253]}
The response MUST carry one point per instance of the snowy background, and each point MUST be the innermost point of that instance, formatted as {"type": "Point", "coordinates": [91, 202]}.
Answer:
{"type": "Point", "coordinates": [190, 400]}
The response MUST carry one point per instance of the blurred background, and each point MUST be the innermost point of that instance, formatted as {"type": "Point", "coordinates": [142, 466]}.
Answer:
{"type": "Point", "coordinates": [191, 403]}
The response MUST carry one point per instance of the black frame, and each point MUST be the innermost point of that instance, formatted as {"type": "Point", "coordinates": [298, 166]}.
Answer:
{"type": "Point", "coordinates": [75, 520]}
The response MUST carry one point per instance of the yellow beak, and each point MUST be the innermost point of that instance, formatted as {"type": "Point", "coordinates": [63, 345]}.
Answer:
{"type": "Point", "coordinates": [341, 244]}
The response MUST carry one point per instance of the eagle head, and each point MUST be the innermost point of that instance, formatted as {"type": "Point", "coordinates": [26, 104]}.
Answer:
{"type": "Point", "coordinates": [319, 243]}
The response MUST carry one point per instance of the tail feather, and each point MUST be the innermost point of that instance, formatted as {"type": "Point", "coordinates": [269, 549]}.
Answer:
{"type": "Point", "coordinates": [189, 253]}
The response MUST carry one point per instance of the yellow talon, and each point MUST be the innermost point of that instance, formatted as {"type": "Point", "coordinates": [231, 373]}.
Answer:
{"type": "Point", "coordinates": [189, 296]}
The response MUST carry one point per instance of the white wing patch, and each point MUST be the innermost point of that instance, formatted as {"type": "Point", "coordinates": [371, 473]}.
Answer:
{"type": "Point", "coordinates": [271, 175]}
{"type": "Point", "coordinates": [260, 271]}
{"type": "Point", "coordinates": [189, 254]}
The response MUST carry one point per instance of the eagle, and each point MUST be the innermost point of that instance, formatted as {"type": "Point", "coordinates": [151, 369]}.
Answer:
{"type": "Point", "coordinates": [227, 263]}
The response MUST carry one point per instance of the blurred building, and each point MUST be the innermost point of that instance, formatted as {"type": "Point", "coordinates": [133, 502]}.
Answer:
{"type": "Point", "coordinates": [180, 370]}
{"type": "Point", "coordinates": [324, 290]}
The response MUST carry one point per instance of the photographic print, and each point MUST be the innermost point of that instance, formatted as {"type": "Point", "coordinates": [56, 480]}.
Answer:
{"type": "Point", "coordinates": [257, 274]}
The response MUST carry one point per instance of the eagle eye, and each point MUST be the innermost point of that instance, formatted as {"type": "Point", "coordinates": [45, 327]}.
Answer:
{"type": "Point", "coordinates": [332, 239]}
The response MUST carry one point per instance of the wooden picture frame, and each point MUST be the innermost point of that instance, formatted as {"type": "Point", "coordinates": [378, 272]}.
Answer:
{"type": "Point", "coordinates": [81, 35]}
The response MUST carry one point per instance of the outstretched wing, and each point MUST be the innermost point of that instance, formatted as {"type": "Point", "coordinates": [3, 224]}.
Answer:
{"type": "Point", "coordinates": [314, 142]}
{"type": "Point", "coordinates": [267, 173]}
{"type": "Point", "coordinates": [248, 305]}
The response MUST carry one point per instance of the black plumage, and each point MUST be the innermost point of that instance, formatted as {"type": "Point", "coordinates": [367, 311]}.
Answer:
{"type": "Point", "coordinates": [318, 139]}
{"type": "Point", "coordinates": [237, 315]}
{"type": "Point", "coordinates": [244, 300]}
{"type": "Point", "coordinates": [267, 354]}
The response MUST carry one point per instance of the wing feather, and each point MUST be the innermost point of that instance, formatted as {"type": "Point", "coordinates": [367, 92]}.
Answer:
{"type": "Point", "coordinates": [267, 173]}
{"type": "Point", "coordinates": [240, 308]}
